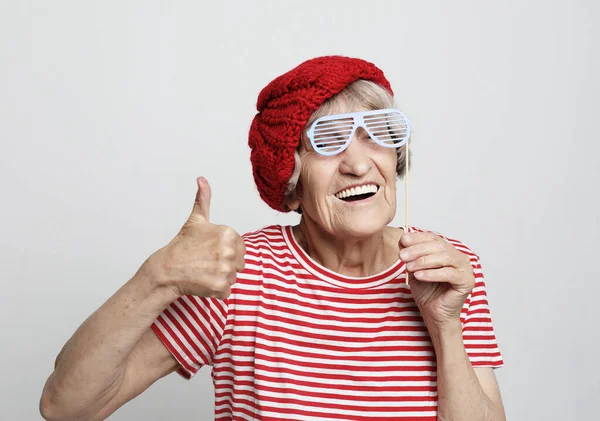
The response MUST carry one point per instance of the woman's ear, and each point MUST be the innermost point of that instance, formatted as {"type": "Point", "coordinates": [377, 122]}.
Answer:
{"type": "Point", "coordinates": [297, 201]}
{"type": "Point", "coordinates": [294, 205]}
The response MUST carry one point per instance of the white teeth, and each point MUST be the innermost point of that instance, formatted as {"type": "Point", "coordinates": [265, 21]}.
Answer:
{"type": "Point", "coordinates": [354, 191]}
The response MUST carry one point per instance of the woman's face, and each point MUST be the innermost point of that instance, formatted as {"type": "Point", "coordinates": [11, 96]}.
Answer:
{"type": "Point", "coordinates": [327, 190]}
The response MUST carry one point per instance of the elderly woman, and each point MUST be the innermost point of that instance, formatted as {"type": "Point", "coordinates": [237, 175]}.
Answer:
{"type": "Point", "coordinates": [318, 321]}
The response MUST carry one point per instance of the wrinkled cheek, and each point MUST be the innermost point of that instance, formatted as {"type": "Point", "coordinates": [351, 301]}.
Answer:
{"type": "Point", "coordinates": [337, 215]}
{"type": "Point", "coordinates": [392, 200]}
{"type": "Point", "coordinates": [328, 215]}
{"type": "Point", "coordinates": [391, 197]}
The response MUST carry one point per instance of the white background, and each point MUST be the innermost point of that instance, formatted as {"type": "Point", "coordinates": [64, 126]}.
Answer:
{"type": "Point", "coordinates": [109, 110]}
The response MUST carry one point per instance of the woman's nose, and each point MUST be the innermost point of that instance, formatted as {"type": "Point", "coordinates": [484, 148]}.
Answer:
{"type": "Point", "coordinates": [355, 159]}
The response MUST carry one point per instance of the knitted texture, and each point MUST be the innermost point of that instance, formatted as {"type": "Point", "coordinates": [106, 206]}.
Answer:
{"type": "Point", "coordinates": [284, 107]}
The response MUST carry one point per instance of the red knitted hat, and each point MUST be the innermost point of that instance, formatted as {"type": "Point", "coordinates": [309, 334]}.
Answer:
{"type": "Point", "coordinates": [285, 106]}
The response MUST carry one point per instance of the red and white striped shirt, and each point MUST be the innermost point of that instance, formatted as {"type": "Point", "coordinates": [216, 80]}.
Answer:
{"type": "Point", "coordinates": [297, 341]}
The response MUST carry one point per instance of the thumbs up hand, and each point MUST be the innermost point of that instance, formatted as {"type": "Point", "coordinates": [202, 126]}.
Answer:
{"type": "Point", "coordinates": [203, 259]}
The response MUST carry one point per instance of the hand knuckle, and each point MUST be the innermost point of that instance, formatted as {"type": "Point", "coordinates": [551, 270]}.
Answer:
{"type": "Point", "coordinates": [223, 291]}
{"type": "Point", "coordinates": [224, 268]}
{"type": "Point", "coordinates": [448, 260]}
{"type": "Point", "coordinates": [218, 286]}
{"type": "Point", "coordinates": [222, 230]}
{"type": "Point", "coordinates": [229, 235]}
{"type": "Point", "coordinates": [227, 252]}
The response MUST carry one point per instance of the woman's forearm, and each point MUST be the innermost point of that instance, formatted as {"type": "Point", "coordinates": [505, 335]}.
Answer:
{"type": "Point", "coordinates": [460, 396]}
{"type": "Point", "coordinates": [90, 367]}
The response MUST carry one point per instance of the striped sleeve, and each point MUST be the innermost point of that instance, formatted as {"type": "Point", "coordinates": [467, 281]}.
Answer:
{"type": "Point", "coordinates": [191, 328]}
{"type": "Point", "coordinates": [478, 330]}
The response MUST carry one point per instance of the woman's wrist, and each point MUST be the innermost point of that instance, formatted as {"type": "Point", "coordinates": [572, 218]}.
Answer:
{"type": "Point", "coordinates": [444, 334]}
{"type": "Point", "coordinates": [150, 285]}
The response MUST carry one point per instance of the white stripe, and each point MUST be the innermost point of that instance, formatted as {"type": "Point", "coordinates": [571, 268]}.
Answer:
{"type": "Point", "coordinates": [474, 307]}
{"type": "Point", "coordinates": [333, 382]}
{"type": "Point", "coordinates": [478, 324]}
{"type": "Point", "coordinates": [486, 359]}
{"type": "Point", "coordinates": [377, 392]}
{"type": "Point", "coordinates": [479, 341]}
{"type": "Point", "coordinates": [225, 402]}
{"type": "Point", "coordinates": [308, 371]}
{"type": "Point", "coordinates": [259, 357]}
{"type": "Point", "coordinates": [365, 365]}
{"type": "Point", "coordinates": [489, 351]}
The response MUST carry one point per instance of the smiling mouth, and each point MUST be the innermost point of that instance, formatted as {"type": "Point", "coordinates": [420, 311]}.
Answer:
{"type": "Point", "coordinates": [358, 197]}
{"type": "Point", "coordinates": [356, 194]}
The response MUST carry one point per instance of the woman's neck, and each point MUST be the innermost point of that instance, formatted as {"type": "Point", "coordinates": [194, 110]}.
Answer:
{"type": "Point", "coordinates": [354, 257]}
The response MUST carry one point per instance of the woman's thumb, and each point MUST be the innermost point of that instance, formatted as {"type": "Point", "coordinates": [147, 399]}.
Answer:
{"type": "Point", "coordinates": [201, 210]}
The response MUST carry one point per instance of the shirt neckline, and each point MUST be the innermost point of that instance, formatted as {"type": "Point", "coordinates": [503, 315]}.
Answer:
{"type": "Point", "coordinates": [334, 278]}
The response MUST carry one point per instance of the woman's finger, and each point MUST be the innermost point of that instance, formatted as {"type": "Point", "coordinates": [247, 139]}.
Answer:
{"type": "Point", "coordinates": [431, 261]}
{"type": "Point", "coordinates": [416, 251]}
{"type": "Point", "coordinates": [445, 274]}
{"type": "Point", "coordinates": [412, 238]}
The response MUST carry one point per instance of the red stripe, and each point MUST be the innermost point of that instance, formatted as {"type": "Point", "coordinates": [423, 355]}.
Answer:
{"type": "Point", "coordinates": [292, 278]}
{"type": "Point", "coordinates": [277, 408]}
{"type": "Point", "coordinates": [325, 306]}
{"type": "Point", "coordinates": [372, 325]}
{"type": "Point", "coordinates": [333, 365]}
{"type": "Point", "coordinates": [228, 343]}
{"type": "Point", "coordinates": [315, 376]}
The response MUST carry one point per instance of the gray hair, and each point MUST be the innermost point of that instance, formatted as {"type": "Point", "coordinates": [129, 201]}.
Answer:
{"type": "Point", "coordinates": [364, 94]}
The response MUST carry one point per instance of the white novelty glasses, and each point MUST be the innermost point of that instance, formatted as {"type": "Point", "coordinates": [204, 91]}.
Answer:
{"type": "Point", "coordinates": [332, 134]}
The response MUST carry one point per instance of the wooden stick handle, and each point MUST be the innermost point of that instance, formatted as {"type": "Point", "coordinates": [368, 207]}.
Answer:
{"type": "Point", "coordinates": [406, 198]}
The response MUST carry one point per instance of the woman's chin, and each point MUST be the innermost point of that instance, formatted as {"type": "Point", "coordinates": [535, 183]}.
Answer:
{"type": "Point", "coordinates": [361, 226]}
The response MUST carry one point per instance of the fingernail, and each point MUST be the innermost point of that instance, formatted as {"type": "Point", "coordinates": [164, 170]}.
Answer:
{"type": "Point", "coordinates": [410, 266]}
{"type": "Point", "coordinates": [404, 254]}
